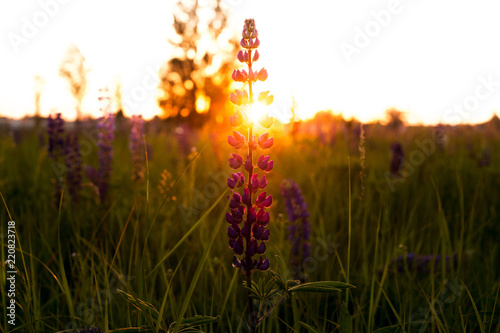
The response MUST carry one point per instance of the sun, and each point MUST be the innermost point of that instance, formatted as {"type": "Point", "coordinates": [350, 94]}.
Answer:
{"type": "Point", "coordinates": [257, 112]}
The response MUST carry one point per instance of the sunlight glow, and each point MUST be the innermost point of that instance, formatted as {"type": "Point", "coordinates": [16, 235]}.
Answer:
{"type": "Point", "coordinates": [257, 112]}
{"type": "Point", "coordinates": [202, 103]}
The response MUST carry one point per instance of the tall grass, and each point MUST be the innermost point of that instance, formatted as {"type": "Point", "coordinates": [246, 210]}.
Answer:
{"type": "Point", "coordinates": [142, 260]}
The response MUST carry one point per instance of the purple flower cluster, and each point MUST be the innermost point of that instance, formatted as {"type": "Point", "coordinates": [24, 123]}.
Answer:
{"type": "Point", "coordinates": [105, 140]}
{"type": "Point", "coordinates": [397, 159]}
{"type": "Point", "coordinates": [137, 148]}
{"type": "Point", "coordinates": [55, 130]}
{"type": "Point", "coordinates": [74, 166]}
{"type": "Point", "coordinates": [422, 263]}
{"type": "Point", "coordinates": [248, 218]}
{"type": "Point", "coordinates": [299, 230]}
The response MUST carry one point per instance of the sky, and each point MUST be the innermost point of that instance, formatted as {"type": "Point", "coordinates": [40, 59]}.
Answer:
{"type": "Point", "coordinates": [438, 61]}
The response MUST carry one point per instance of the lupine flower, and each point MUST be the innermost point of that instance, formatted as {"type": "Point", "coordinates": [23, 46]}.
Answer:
{"type": "Point", "coordinates": [137, 148]}
{"type": "Point", "coordinates": [362, 157]}
{"type": "Point", "coordinates": [105, 125]}
{"type": "Point", "coordinates": [248, 218]}
{"type": "Point", "coordinates": [485, 158]}
{"type": "Point", "coordinates": [397, 159]}
{"type": "Point", "coordinates": [56, 150]}
{"type": "Point", "coordinates": [55, 130]}
{"type": "Point", "coordinates": [74, 166]}
{"type": "Point", "coordinates": [106, 136]}
{"type": "Point", "coordinates": [440, 137]}
{"type": "Point", "coordinates": [422, 263]}
{"type": "Point", "coordinates": [299, 230]}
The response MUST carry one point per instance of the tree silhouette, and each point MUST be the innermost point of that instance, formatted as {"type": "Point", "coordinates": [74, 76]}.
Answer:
{"type": "Point", "coordinates": [73, 69]}
{"type": "Point", "coordinates": [396, 118]}
{"type": "Point", "coordinates": [195, 81]}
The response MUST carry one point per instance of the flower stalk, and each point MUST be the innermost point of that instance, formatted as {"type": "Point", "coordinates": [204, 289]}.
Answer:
{"type": "Point", "coordinates": [248, 208]}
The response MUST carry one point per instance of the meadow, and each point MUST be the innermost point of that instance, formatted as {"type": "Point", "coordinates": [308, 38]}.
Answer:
{"type": "Point", "coordinates": [156, 250]}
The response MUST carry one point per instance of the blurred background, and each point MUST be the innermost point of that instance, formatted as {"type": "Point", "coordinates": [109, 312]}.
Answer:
{"type": "Point", "coordinates": [174, 58]}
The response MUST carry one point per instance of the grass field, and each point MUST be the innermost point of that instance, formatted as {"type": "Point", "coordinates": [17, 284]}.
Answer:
{"type": "Point", "coordinates": [149, 256]}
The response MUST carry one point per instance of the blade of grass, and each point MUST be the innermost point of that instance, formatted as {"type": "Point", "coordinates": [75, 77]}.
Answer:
{"type": "Point", "coordinates": [197, 275]}
{"type": "Point", "coordinates": [478, 316]}
{"type": "Point", "coordinates": [189, 232]}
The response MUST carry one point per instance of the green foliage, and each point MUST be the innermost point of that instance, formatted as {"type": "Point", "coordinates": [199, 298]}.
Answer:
{"type": "Point", "coordinates": [172, 259]}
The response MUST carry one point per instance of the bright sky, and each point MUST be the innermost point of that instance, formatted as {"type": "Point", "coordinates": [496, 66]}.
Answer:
{"type": "Point", "coordinates": [437, 60]}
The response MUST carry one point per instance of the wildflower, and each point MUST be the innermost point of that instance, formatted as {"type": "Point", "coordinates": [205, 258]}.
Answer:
{"type": "Point", "coordinates": [56, 150]}
{"type": "Point", "coordinates": [74, 166]}
{"type": "Point", "coordinates": [55, 130]}
{"type": "Point", "coordinates": [137, 148]}
{"type": "Point", "coordinates": [106, 136]}
{"type": "Point", "coordinates": [247, 217]}
{"type": "Point", "coordinates": [101, 177]}
{"type": "Point", "coordinates": [422, 264]}
{"type": "Point", "coordinates": [397, 159]}
{"type": "Point", "coordinates": [362, 157]}
{"type": "Point", "coordinates": [299, 228]}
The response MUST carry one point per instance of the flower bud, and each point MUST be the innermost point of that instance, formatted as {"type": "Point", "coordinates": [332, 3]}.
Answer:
{"type": "Point", "coordinates": [253, 43]}
{"type": "Point", "coordinates": [244, 43]}
{"type": "Point", "coordinates": [238, 246]}
{"type": "Point", "coordinates": [262, 74]}
{"type": "Point", "coordinates": [263, 265]}
{"type": "Point", "coordinates": [261, 249]}
{"type": "Point", "coordinates": [265, 98]}
{"type": "Point", "coordinates": [264, 142]}
{"type": "Point", "coordinates": [270, 166]}
{"type": "Point", "coordinates": [255, 56]}
{"type": "Point", "coordinates": [239, 75]}
{"type": "Point", "coordinates": [248, 164]}
{"type": "Point", "coordinates": [246, 197]}
{"type": "Point", "coordinates": [243, 56]}
{"type": "Point", "coordinates": [263, 182]}
{"type": "Point", "coordinates": [262, 162]}
{"type": "Point", "coordinates": [236, 262]}
{"type": "Point", "coordinates": [263, 201]}
{"type": "Point", "coordinates": [266, 122]}
{"type": "Point", "coordinates": [237, 141]}
{"type": "Point", "coordinates": [236, 200]}
{"type": "Point", "coordinates": [239, 97]}
{"type": "Point", "coordinates": [236, 161]}
{"type": "Point", "coordinates": [232, 233]}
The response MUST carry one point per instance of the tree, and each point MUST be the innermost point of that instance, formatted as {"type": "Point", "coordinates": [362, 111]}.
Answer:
{"type": "Point", "coordinates": [73, 69]}
{"type": "Point", "coordinates": [396, 118]}
{"type": "Point", "coordinates": [195, 81]}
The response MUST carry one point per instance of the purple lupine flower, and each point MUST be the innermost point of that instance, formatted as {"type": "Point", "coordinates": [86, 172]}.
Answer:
{"type": "Point", "coordinates": [74, 166]}
{"type": "Point", "coordinates": [299, 230]}
{"type": "Point", "coordinates": [248, 218]}
{"type": "Point", "coordinates": [101, 176]}
{"type": "Point", "coordinates": [137, 148]}
{"type": "Point", "coordinates": [55, 129]}
{"type": "Point", "coordinates": [106, 136]}
{"type": "Point", "coordinates": [422, 263]}
{"type": "Point", "coordinates": [397, 159]}
{"type": "Point", "coordinates": [56, 150]}
{"type": "Point", "coordinates": [485, 159]}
